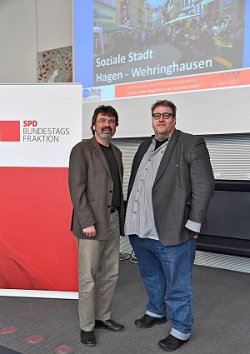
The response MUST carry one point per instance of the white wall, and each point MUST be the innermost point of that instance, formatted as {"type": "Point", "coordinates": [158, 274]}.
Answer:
{"type": "Point", "coordinates": [29, 26]}
{"type": "Point", "coordinates": [198, 112]}
{"type": "Point", "coordinates": [54, 24]}
{"type": "Point", "coordinates": [18, 41]}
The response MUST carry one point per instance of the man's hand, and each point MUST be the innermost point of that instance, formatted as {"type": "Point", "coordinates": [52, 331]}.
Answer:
{"type": "Point", "coordinates": [89, 231]}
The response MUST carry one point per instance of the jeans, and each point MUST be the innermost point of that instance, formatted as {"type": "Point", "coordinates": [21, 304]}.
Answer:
{"type": "Point", "coordinates": [167, 275]}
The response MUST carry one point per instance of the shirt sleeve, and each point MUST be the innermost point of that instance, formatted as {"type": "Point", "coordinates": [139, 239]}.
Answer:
{"type": "Point", "coordinates": [193, 226]}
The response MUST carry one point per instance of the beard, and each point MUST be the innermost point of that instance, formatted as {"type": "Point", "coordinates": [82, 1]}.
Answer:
{"type": "Point", "coordinates": [105, 133]}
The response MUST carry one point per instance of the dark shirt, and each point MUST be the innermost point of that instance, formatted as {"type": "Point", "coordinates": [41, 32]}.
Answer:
{"type": "Point", "coordinates": [114, 171]}
{"type": "Point", "coordinates": [158, 143]}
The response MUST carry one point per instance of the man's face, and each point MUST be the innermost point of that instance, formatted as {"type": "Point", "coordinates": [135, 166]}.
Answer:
{"type": "Point", "coordinates": [105, 126]}
{"type": "Point", "coordinates": [164, 125]}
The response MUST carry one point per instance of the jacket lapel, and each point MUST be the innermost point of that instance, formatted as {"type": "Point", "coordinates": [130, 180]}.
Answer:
{"type": "Point", "coordinates": [139, 156]}
{"type": "Point", "coordinates": [167, 155]}
{"type": "Point", "coordinates": [100, 155]}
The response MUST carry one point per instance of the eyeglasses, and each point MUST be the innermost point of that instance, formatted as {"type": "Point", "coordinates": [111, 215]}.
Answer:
{"type": "Point", "coordinates": [164, 115]}
{"type": "Point", "coordinates": [109, 121]}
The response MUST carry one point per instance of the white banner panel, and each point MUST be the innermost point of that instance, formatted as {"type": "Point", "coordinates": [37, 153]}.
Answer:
{"type": "Point", "coordinates": [39, 124]}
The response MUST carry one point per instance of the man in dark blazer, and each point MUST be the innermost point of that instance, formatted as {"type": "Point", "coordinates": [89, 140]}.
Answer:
{"type": "Point", "coordinates": [95, 183]}
{"type": "Point", "coordinates": [170, 186]}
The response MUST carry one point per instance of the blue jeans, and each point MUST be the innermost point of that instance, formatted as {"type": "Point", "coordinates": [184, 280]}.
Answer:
{"type": "Point", "coordinates": [167, 275]}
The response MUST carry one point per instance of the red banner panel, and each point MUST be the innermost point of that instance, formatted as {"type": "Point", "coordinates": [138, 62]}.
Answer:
{"type": "Point", "coordinates": [37, 249]}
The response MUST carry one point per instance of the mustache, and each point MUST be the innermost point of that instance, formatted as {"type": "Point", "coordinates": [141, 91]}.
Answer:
{"type": "Point", "coordinates": [107, 128]}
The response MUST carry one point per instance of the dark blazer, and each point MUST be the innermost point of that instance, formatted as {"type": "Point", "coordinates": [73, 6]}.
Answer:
{"type": "Point", "coordinates": [182, 188]}
{"type": "Point", "coordinates": [91, 188]}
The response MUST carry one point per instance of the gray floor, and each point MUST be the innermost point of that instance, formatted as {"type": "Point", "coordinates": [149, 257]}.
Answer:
{"type": "Point", "coordinates": [222, 318]}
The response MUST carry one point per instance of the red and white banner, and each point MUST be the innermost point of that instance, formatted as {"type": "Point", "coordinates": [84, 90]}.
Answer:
{"type": "Point", "coordinates": [39, 125]}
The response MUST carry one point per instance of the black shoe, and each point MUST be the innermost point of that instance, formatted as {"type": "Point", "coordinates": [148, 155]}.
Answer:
{"type": "Point", "coordinates": [109, 325]}
{"type": "Point", "coordinates": [171, 343]}
{"type": "Point", "coordinates": [148, 321]}
{"type": "Point", "coordinates": [88, 338]}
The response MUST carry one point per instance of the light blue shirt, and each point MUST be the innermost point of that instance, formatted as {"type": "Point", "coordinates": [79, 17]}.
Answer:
{"type": "Point", "coordinates": [139, 215]}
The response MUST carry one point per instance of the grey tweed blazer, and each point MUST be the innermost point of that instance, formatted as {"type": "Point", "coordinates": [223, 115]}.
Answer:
{"type": "Point", "coordinates": [91, 188]}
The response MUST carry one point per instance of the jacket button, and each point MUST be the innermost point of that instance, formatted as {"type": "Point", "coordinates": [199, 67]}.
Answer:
{"type": "Point", "coordinates": [108, 206]}
{"type": "Point", "coordinates": [110, 191]}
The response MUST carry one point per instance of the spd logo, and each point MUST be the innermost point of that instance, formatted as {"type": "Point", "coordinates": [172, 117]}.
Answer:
{"type": "Point", "coordinates": [9, 130]}
{"type": "Point", "coordinates": [30, 123]}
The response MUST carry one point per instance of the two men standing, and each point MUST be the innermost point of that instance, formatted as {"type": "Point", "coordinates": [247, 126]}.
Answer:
{"type": "Point", "coordinates": [168, 194]}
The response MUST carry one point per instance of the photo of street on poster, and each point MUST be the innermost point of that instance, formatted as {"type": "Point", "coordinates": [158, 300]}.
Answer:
{"type": "Point", "coordinates": [162, 39]}
{"type": "Point", "coordinates": [145, 41]}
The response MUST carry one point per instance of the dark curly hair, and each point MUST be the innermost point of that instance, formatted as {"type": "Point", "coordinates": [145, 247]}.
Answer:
{"type": "Point", "coordinates": [106, 111]}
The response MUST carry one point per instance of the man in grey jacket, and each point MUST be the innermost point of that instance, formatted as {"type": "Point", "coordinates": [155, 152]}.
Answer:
{"type": "Point", "coordinates": [170, 186]}
{"type": "Point", "coordinates": [95, 182]}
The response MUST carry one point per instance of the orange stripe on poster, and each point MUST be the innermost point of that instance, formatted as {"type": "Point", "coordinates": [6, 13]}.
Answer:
{"type": "Point", "coordinates": [190, 83]}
